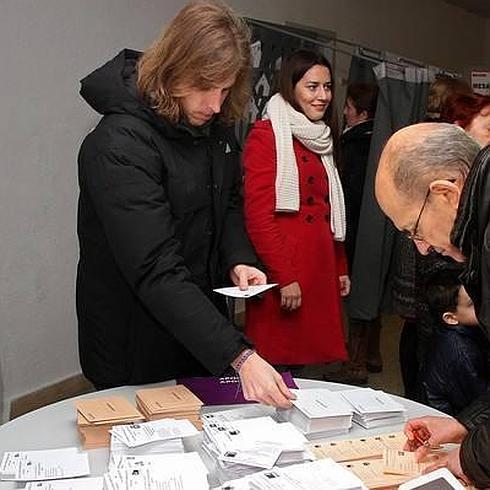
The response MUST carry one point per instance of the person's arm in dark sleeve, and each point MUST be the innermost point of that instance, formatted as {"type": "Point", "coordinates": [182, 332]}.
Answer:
{"type": "Point", "coordinates": [475, 455]}
{"type": "Point", "coordinates": [125, 185]}
{"type": "Point", "coordinates": [477, 413]}
{"type": "Point", "coordinates": [235, 247]}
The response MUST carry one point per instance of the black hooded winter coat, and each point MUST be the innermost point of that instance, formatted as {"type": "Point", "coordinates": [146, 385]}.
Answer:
{"type": "Point", "coordinates": [159, 224]}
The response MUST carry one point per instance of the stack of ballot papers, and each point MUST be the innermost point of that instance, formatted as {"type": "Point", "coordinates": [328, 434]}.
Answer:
{"type": "Point", "coordinates": [176, 402]}
{"type": "Point", "coordinates": [96, 483]}
{"type": "Point", "coordinates": [96, 417]}
{"type": "Point", "coordinates": [242, 447]}
{"type": "Point", "coordinates": [374, 408]}
{"type": "Point", "coordinates": [318, 475]}
{"type": "Point", "coordinates": [50, 464]}
{"type": "Point", "coordinates": [153, 472]}
{"type": "Point", "coordinates": [319, 413]}
{"type": "Point", "coordinates": [155, 437]}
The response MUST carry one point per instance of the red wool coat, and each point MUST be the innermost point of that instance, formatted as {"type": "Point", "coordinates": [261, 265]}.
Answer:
{"type": "Point", "coordinates": [293, 247]}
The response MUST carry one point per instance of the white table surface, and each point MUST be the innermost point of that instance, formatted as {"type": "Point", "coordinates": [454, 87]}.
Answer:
{"type": "Point", "coordinates": [54, 426]}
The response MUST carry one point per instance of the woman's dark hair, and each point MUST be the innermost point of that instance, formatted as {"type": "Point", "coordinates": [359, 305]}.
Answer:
{"type": "Point", "coordinates": [293, 70]}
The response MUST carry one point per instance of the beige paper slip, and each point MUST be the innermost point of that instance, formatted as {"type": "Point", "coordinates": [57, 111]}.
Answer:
{"type": "Point", "coordinates": [105, 410]}
{"type": "Point", "coordinates": [355, 449]}
{"type": "Point", "coordinates": [371, 474]}
{"type": "Point", "coordinates": [168, 399]}
{"type": "Point", "coordinates": [398, 462]}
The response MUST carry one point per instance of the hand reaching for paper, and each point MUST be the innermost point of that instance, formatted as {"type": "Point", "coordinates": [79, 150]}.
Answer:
{"type": "Point", "coordinates": [429, 432]}
{"type": "Point", "coordinates": [262, 383]}
{"type": "Point", "coordinates": [245, 275]}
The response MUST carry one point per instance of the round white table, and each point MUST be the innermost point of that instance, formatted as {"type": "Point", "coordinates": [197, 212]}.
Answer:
{"type": "Point", "coordinates": [54, 426]}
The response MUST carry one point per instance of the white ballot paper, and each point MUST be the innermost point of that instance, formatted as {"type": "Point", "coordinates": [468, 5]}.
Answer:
{"type": "Point", "coordinates": [319, 412]}
{"type": "Point", "coordinates": [134, 435]}
{"type": "Point", "coordinates": [155, 479]}
{"type": "Point", "coordinates": [51, 464]}
{"type": "Point", "coordinates": [177, 461]}
{"type": "Point", "coordinates": [317, 475]}
{"type": "Point", "coordinates": [236, 292]}
{"type": "Point", "coordinates": [374, 408]}
{"type": "Point", "coordinates": [96, 483]}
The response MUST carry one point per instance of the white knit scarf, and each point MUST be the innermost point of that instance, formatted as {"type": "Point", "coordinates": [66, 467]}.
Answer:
{"type": "Point", "coordinates": [316, 136]}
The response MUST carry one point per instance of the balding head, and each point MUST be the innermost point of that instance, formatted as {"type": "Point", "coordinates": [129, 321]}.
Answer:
{"type": "Point", "coordinates": [418, 183]}
{"type": "Point", "coordinates": [421, 153]}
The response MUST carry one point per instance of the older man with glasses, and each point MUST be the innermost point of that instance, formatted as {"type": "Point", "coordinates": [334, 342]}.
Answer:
{"type": "Point", "coordinates": [433, 182]}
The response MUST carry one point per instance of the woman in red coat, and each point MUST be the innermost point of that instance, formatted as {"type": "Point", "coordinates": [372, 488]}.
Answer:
{"type": "Point", "coordinates": [295, 217]}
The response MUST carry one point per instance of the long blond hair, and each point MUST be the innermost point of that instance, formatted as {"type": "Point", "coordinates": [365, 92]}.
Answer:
{"type": "Point", "coordinates": [205, 45]}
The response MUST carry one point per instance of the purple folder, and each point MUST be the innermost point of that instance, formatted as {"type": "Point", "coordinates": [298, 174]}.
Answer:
{"type": "Point", "coordinates": [223, 391]}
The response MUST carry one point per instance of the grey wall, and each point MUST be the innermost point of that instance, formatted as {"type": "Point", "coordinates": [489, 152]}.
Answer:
{"type": "Point", "coordinates": [46, 46]}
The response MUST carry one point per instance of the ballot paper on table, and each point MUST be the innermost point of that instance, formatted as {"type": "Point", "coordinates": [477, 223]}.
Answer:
{"type": "Point", "coordinates": [156, 478]}
{"type": "Point", "coordinates": [374, 408]}
{"type": "Point", "coordinates": [95, 483]}
{"type": "Point", "coordinates": [242, 446]}
{"type": "Point", "coordinates": [186, 461]}
{"type": "Point", "coordinates": [317, 475]}
{"type": "Point", "coordinates": [51, 464]}
{"type": "Point", "coordinates": [243, 434]}
{"type": "Point", "coordinates": [319, 412]}
{"type": "Point", "coordinates": [361, 448]}
{"type": "Point", "coordinates": [134, 435]}
{"type": "Point", "coordinates": [236, 292]}
{"type": "Point", "coordinates": [118, 448]}
{"type": "Point", "coordinates": [399, 462]}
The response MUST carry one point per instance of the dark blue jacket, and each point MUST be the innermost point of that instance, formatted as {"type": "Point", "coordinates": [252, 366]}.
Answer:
{"type": "Point", "coordinates": [455, 372]}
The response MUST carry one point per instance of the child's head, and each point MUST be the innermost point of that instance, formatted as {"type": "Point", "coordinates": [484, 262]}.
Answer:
{"type": "Point", "coordinates": [448, 300]}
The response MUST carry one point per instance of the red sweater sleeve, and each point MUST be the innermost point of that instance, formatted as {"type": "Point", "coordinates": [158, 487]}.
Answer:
{"type": "Point", "coordinates": [271, 244]}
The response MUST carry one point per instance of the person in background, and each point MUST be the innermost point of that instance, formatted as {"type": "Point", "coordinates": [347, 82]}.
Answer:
{"type": "Point", "coordinates": [443, 87]}
{"type": "Point", "coordinates": [295, 217]}
{"type": "Point", "coordinates": [433, 182]}
{"type": "Point", "coordinates": [456, 368]}
{"type": "Point", "coordinates": [359, 111]}
{"type": "Point", "coordinates": [472, 113]}
{"type": "Point", "coordinates": [160, 220]}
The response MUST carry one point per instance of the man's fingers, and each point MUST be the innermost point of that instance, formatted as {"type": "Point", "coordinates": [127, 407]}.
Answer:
{"type": "Point", "coordinates": [281, 385]}
{"type": "Point", "coordinates": [420, 453]}
{"type": "Point", "coordinates": [242, 280]}
{"type": "Point", "coordinates": [442, 463]}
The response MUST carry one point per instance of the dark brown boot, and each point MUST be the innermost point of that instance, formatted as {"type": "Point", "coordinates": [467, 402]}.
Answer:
{"type": "Point", "coordinates": [374, 362]}
{"type": "Point", "coordinates": [354, 372]}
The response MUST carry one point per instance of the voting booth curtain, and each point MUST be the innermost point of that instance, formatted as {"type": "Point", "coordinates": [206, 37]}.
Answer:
{"type": "Point", "coordinates": [401, 101]}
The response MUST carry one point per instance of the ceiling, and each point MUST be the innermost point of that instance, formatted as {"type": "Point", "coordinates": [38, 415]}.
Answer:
{"type": "Point", "coordinates": [480, 7]}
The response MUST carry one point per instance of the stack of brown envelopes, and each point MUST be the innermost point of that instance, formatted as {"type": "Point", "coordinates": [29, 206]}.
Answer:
{"type": "Point", "coordinates": [175, 402]}
{"type": "Point", "coordinates": [96, 416]}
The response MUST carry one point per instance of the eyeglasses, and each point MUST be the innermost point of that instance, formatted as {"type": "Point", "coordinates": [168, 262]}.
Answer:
{"type": "Point", "coordinates": [412, 235]}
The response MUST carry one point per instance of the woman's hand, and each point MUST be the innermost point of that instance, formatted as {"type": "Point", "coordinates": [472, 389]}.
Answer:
{"type": "Point", "coordinates": [291, 296]}
{"type": "Point", "coordinates": [344, 285]}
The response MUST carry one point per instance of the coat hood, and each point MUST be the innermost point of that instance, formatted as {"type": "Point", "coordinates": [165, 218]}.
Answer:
{"type": "Point", "coordinates": [111, 89]}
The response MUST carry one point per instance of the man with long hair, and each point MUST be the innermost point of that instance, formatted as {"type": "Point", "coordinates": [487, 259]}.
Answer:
{"type": "Point", "coordinates": [160, 221]}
